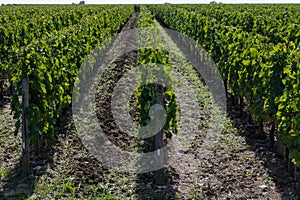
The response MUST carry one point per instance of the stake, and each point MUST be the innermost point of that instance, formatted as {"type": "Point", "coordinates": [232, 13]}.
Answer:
{"type": "Point", "coordinates": [25, 138]}
{"type": "Point", "coordinates": [159, 178]}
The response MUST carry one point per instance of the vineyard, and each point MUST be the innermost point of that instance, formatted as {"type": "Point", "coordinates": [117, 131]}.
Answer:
{"type": "Point", "coordinates": [50, 53]}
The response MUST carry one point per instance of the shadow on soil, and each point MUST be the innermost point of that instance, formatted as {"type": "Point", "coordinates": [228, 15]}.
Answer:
{"type": "Point", "coordinates": [147, 187]}
{"type": "Point", "coordinates": [287, 184]}
{"type": "Point", "coordinates": [17, 186]}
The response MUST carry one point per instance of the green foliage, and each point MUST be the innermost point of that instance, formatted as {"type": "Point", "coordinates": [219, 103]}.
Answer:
{"type": "Point", "coordinates": [255, 46]}
{"type": "Point", "coordinates": [258, 57]}
{"type": "Point", "coordinates": [158, 61]}
{"type": "Point", "coordinates": [52, 58]}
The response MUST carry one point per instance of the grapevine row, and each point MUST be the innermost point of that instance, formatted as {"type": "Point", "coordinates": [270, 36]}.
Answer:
{"type": "Point", "coordinates": [20, 25]}
{"type": "Point", "coordinates": [155, 59]}
{"type": "Point", "coordinates": [276, 23]}
{"type": "Point", "coordinates": [159, 58]}
{"type": "Point", "coordinates": [264, 74]}
{"type": "Point", "coordinates": [51, 64]}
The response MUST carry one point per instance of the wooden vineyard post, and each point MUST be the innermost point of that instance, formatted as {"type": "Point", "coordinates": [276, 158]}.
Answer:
{"type": "Point", "coordinates": [25, 137]}
{"type": "Point", "coordinates": [159, 177]}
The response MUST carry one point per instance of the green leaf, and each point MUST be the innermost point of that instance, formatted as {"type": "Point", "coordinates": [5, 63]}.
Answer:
{"type": "Point", "coordinates": [261, 74]}
{"type": "Point", "coordinates": [253, 52]}
{"type": "Point", "coordinates": [246, 62]}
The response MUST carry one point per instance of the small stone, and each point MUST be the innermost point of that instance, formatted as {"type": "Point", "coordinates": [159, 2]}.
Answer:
{"type": "Point", "coordinates": [162, 187]}
{"type": "Point", "coordinates": [262, 186]}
